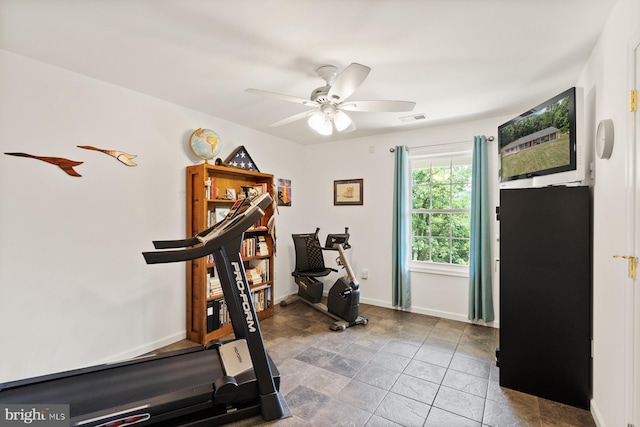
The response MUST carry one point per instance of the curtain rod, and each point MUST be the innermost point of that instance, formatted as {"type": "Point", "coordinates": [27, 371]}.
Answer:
{"type": "Point", "coordinates": [392, 149]}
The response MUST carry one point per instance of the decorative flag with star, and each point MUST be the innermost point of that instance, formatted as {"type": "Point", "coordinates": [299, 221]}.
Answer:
{"type": "Point", "coordinates": [240, 158]}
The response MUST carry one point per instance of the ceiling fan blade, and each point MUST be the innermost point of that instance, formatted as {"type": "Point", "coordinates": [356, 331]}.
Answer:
{"type": "Point", "coordinates": [348, 81]}
{"type": "Point", "coordinates": [292, 119]}
{"type": "Point", "coordinates": [282, 97]}
{"type": "Point", "coordinates": [378, 106]}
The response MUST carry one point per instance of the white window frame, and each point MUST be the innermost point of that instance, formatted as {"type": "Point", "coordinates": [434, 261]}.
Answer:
{"type": "Point", "coordinates": [430, 266]}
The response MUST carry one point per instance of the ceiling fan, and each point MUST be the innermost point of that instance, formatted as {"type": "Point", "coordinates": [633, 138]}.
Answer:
{"type": "Point", "coordinates": [329, 102]}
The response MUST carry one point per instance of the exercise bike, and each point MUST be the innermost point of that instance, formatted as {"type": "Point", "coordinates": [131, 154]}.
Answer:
{"type": "Point", "coordinates": [343, 301]}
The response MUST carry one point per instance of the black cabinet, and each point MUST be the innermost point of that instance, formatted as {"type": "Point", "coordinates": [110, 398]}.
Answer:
{"type": "Point", "coordinates": [545, 293]}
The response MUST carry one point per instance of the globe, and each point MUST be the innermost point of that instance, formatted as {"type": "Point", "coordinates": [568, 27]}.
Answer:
{"type": "Point", "coordinates": [205, 144]}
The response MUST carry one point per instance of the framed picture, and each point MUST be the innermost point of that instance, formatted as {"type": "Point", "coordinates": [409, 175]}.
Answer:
{"type": "Point", "coordinates": [348, 192]}
{"type": "Point", "coordinates": [284, 192]}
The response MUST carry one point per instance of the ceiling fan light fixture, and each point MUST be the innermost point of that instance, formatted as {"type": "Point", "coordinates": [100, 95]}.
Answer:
{"type": "Point", "coordinates": [341, 120]}
{"type": "Point", "coordinates": [321, 123]}
{"type": "Point", "coordinates": [316, 120]}
{"type": "Point", "coordinates": [326, 128]}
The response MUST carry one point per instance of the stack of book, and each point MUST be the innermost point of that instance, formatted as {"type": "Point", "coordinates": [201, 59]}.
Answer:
{"type": "Point", "coordinates": [254, 276]}
{"type": "Point", "coordinates": [262, 267]}
{"type": "Point", "coordinates": [263, 249]}
{"type": "Point", "coordinates": [214, 287]}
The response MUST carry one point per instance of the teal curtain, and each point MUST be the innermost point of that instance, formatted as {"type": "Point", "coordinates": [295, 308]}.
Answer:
{"type": "Point", "coordinates": [480, 292]}
{"type": "Point", "coordinates": [401, 244]}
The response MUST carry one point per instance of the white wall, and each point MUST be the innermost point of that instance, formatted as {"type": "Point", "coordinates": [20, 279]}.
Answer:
{"type": "Point", "coordinates": [370, 224]}
{"type": "Point", "coordinates": [74, 287]}
{"type": "Point", "coordinates": [606, 94]}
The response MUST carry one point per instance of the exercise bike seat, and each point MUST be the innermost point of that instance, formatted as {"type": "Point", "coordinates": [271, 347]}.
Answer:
{"type": "Point", "coordinates": [309, 258]}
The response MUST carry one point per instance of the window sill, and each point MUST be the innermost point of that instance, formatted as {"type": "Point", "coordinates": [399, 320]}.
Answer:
{"type": "Point", "coordinates": [437, 268]}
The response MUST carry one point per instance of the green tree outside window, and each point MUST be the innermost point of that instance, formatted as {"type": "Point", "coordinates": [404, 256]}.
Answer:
{"type": "Point", "coordinates": [441, 203]}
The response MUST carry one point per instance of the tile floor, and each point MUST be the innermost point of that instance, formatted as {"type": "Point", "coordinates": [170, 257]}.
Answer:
{"type": "Point", "coordinates": [401, 369]}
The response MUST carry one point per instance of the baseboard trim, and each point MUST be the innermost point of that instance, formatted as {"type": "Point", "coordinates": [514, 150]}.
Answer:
{"type": "Point", "coordinates": [143, 349]}
{"type": "Point", "coordinates": [430, 312]}
{"type": "Point", "coordinates": [595, 413]}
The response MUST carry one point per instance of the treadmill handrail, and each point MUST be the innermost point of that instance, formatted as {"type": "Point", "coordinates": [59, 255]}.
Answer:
{"type": "Point", "coordinates": [205, 243]}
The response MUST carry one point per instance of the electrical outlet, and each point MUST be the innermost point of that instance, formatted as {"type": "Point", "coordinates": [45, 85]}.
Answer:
{"type": "Point", "coordinates": [364, 274]}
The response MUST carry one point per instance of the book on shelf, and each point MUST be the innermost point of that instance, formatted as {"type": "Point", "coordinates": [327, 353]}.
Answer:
{"type": "Point", "coordinates": [207, 188]}
{"type": "Point", "coordinates": [262, 268]}
{"type": "Point", "coordinates": [253, 276]}
{"type": "Point", "coordinates": [262, 297]}
{"type": "Point", "coordinates": [263, 248]}
{"type": "Point", "coordinates": [214, 287]}
{"type": "Point", "coordinates": [224, 312]}
{"type": "Point", "coordinates": [213, 315]}
{"type": "Point", "coordinates": [210, 189]}
{"type": "Point", "coordinates": [247, 248]}
{"type": "Point", "coordinates": [217, 314]}
{"type": "Point", "coordinates": [254, 246]}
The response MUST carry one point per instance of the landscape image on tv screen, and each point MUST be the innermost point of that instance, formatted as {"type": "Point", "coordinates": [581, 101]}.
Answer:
{"type": "Point", "coordinates": [537, 143]}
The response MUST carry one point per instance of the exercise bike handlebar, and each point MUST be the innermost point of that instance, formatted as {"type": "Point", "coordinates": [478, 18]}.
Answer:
{"type": "Point", "coordinates": [335, 240]}
{"type": "Point", "coordinates": [347, 266]}
{"type": "Point", "coordinates": [340, 242]}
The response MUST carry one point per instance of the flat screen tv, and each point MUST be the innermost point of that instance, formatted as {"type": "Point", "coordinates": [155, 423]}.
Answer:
{"type": "Point", "coordinates": [545, 145]}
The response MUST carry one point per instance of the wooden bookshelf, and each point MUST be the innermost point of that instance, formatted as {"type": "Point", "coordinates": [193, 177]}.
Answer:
{"type": "Point", "coordinates": [206, 191]}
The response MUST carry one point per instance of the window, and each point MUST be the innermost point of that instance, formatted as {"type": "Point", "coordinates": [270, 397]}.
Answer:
{"type": "Point", "coordinates": [440, 212]}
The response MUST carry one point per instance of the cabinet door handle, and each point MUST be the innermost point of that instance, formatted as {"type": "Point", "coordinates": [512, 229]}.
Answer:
{"type": "Point", "coordinates": [633, 261]}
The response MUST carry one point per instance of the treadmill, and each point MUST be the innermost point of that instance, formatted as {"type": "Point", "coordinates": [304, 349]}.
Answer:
{"type": "Point", "coordinates": [193, 387]}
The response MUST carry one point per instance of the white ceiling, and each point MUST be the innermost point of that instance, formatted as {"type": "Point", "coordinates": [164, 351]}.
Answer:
{"type": "Point", "coordinates": [457, 59]}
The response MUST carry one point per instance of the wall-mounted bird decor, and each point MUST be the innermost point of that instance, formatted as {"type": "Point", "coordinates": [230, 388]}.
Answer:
{"type": "Point", "coordinates": [123, 157]}
{"type": "Point", "coordinates": [65, 164]}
